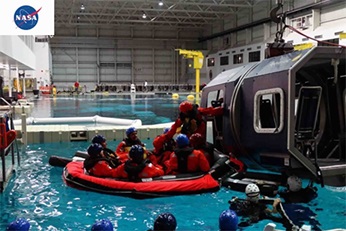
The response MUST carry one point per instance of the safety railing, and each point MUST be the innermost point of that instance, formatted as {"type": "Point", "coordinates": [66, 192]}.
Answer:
{"type": "Point", "coordinates": [8, 144]}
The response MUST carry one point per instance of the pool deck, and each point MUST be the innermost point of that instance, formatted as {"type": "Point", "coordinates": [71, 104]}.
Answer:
{"type": "Point", "coordinates": [47, 133]}
{"type": "Point", "coordinates": [65, 133]}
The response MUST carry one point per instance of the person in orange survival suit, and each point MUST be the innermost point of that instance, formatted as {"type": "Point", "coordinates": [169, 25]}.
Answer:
{"type": "Point", "coordinates": [190, 121]}
{"type": "Point", "coordinates": [198, 143]}
{"type": "Point", "coordinates": [97, 164]}
{"type": "Point", "coordinates": [100, 139]}
{"type": "Point", "coordinates": [185, 159]}
{"type": "Point", "coordinates": [163, 151]}
{"type": "Point", "coordinates": [138, 166]}
{"type": "Point", "coordinates": [124, 146]}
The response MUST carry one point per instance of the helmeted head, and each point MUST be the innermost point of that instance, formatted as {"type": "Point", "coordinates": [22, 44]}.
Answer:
{"type": "Point", "coordinates": [185, 107]}
{"type": "Point", "coordinates": [99, 139]}
{"type": "Point", "coordinates": [94, 149]}
{"type": "Point", "coordinates": [165, 221]}
{"type": "Point", "coordinates": [165, 130]}
{"type": "Point", "coordinates": [102, 225]}
{"type": "Point", "coordinates": [137, 153]}
{"type": "Point", "coordinates": [228, 220]}
{"type": "Point", "coordinates": [20, 224]}
{"type": "Point", "coordinates": [294, 183]}
{"type": "Point", "coordinates": [252, 192]}
{"type": "Point", "coordinates": [197, 141]}
{"type": "Point", "coordinates": [182, 141]}
{"type": "Point", "coordinates": [131, 131]}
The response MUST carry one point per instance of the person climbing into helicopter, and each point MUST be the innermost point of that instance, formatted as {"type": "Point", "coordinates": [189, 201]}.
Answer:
{"type": "Point", "coordinates": [190, 120]}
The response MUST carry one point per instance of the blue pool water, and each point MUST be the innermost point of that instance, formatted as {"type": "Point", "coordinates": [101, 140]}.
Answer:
{"type": "Point", "coordinates": [150, 109]}
{"type": "Point", "coordinates": [38, 193]}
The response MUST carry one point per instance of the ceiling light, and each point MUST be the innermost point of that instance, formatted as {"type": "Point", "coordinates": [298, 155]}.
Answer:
{"type": "Point", "coordinates": [144, 16]}
{"type": "Point", "coordinates": [82, 7]}
{"type": "Point", "coordinates": [160, 3]}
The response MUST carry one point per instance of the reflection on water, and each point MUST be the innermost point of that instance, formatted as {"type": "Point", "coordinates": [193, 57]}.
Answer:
{"type": "Point", "coordinates": [150, 109]}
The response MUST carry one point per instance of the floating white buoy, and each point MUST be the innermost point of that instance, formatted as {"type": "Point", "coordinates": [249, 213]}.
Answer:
{"type": "Point", "coordinates": [175, 96]}
{"type": "Point", "coordinates": [190, 97]}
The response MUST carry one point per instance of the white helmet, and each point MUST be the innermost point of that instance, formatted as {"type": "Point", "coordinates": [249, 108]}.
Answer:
{"type": "Point", "coordinates": [294, 183]}
{"type": "Point", "coordinates": [252, 192]}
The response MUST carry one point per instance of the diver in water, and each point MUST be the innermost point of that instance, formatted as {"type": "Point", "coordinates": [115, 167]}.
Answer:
{"type": "Point", "coordinates": [19, 224]}
{"type": "Point", "coordinates": [228, 220]}
{"type": "Point", "coordinates": [295, 193]}
{"type": "Point", "coordinates": [113, 158]}
{"type": "Point", "coordinates": [102, 225]}
{"type": "Point", "coordinates": [165, 222]}
{"type": "Point", "coordinates": [254, 208]}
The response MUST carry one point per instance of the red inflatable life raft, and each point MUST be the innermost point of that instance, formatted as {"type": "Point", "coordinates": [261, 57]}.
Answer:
{"type": "Point", "coordinates": [167, 185]}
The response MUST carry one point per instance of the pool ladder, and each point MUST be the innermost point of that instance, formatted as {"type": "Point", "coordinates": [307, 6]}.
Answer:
{"type": "Point", "coordinates": [8, 145]}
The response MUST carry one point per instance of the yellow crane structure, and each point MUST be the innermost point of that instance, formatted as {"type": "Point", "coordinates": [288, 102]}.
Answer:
{"type": "Point", "coordinates": [197, 57]}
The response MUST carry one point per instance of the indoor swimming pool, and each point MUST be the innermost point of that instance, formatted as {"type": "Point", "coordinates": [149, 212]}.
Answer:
{"type": "Point", "coordinates": [37, 192]}
{"type": "Point", "coordinates": [149, 108]}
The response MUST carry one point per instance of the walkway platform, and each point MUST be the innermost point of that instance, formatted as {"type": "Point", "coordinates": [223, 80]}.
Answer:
{"type": "Point", "coordinates": [65, 133]}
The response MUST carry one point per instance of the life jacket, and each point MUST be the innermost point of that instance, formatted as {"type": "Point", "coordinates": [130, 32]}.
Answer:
{"type": "Point", "coordinates": [128, 143]}
{"type": "Point", "coordinates": [182, 157]}
{"type": "Point", "coordinates": [133, 169]}
{"type": "Point", "coordinates": [112, 158]}
{"type": "Point", "coordinates": [90, 162]}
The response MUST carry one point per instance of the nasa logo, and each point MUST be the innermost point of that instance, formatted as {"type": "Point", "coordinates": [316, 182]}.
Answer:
{"type": "Point", "coordinates": [26, 17]}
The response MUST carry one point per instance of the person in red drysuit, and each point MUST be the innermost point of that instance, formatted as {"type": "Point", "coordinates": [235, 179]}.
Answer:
{"type": "Point", "coordinates": [138, 166]}
{"type": "Point", "coordinates": [185, 159]}
{"type": "Point", "coordinates": [97, 164]}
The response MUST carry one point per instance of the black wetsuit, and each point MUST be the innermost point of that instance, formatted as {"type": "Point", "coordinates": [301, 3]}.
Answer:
{"type": "Point", "coordinates": [290, 214]}
{"type": "Point", "coordinates": [303, 196]}
{"type": "Point", "coordinates": [252, 212]}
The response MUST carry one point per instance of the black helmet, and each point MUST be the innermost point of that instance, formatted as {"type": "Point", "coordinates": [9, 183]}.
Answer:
{"type": "Point", "coordinates": [136, 153]}
{"type": "Point", "coordinates": [94, 149]}
{"type": "Point", "coordinates": [99, 139]}
{"type": "Point", "coordinates": [165, 221]}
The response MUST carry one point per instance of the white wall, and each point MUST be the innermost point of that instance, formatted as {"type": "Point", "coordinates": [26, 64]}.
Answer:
{"type": "Point", "coordinates": [42, 69]}
{"type": "Point", "coordinates": [14, 47]}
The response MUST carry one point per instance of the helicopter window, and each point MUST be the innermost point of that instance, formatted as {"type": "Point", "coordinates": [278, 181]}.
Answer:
{"type": "Point", "coordinates": [268, 111]}
{"type": "Point", "coordinates": [215, 98]}
{"type": "Point", "coordinates": [215, 123]}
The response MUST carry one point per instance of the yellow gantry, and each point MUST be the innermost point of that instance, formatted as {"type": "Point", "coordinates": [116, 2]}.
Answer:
{"type": "Point", "coordinates": [197, 57]}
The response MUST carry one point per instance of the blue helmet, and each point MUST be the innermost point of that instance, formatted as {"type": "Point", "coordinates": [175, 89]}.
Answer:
{"type": "Point", "coordinates": [102, 225]}
{"type": "Point", "coordinates": [182, 140]}
{"type": "Point", "coordinates": [94, 149]}
{"type": "Point", "coordinates": [99, 139]}
{"type": "Point", "coordinates": [130, 130]}
{"type": "Point", "coordinates": [165, 130]}
{"type": "Point", "coordinates": [165, 221]}
{"type": "Point", "coordinates": [136, 153]}
{"type": "Point", "coordinates": [20, 224]}
{"type": "Point", "coordinates": [228, 220]}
